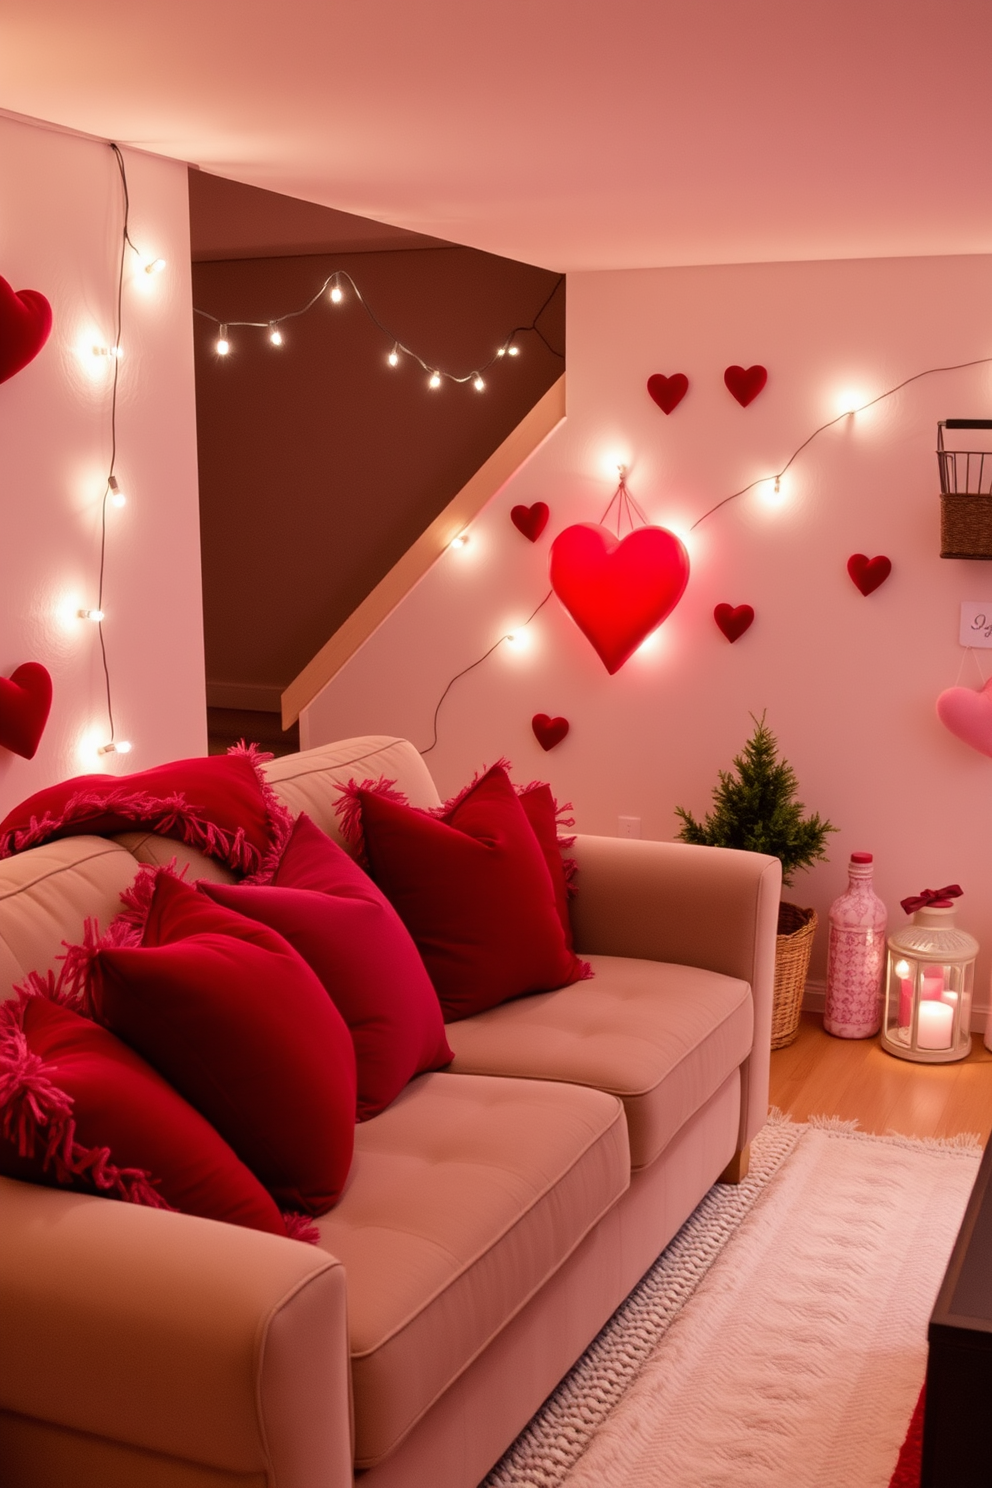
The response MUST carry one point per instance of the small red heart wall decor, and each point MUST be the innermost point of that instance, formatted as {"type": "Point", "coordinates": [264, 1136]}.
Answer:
{"type": "Point", "coordinates": [668, 392]}
{"type": "Point", "coordinates": [869, 573]}
{"type": "Point", "coordinates": [733, 620]}
{"type": "Point", "coordinates": [745, 382]}
{"type": "Point", "coordinates": [549, 731]}
{"type": "Point", "coordinates": [25, 324]}
{"type": "Point", "coordinates": [530, 520]}
{"type": "Point", "coordinates": [25, 703]}
{"type": "Point", "coordinates": [968, 715]}
{"type": "Point", "coordinates": [618, 592]}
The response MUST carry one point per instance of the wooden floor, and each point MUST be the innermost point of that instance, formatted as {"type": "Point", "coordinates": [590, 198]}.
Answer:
{"type": "Point", "coordinates": [823, 1076]}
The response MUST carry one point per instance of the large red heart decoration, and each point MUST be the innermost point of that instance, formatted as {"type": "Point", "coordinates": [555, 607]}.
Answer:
{"type": "Point", "coordinates": [968, 715]}
{"type": "Point", "coordinates": [745, 382]}
{"type": "Point", "coordinates": [530, 520]}
{"type": "Point", "coordinates": [733, 620]}
{"type": "Point", "coordinates": [617, 592]}
{"type": "Point", "coordinates": [548, 731]}
{"type": "Point", "coordinates": [25, 323]}
{"type": "Point", "coordinates": [868, 573]}
{"type": "Point", "coordinates": [668, 392]}
{"type": "Point", "coordinates": [25, 702]}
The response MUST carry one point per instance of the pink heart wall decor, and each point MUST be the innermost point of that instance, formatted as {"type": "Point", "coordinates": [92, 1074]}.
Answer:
{"type": "Point", "coordinates": [745, 382]}
{"type": "Point", "coordinates": [530, 520]}
{"type": "Point", "coordinates": [25, 324]}
{"type": "Point", "coordinates": [733, 620]}
{"type": "Point", "coordinates": [668, 392]}
{"type": "Point", "coordinates": [549, 731]}
{"type": "Point", "coordinates": [869, 573]}
{"type": "Point", "coordinates": [618, 592]}
{"type": "Point", "coordinates": [968, 715]}
{"type": "Point", "coordinates": [25, 703]}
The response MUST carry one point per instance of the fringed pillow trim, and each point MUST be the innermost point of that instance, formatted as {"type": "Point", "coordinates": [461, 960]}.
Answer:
{"type": "Point", "coordinates": [158, 813]}
{"type": "Point", "coordinates": [37, 1112]}
{"type": "Point", "coordinates": [348, 808]}
{"type": "Point", "coordinates": [447, 807]}
{"type": "Point", "coordinates": [280, 818]}
{"type": "Point", "coordinates": [565, 839]}
{"type": "Point", "coordinates": [299, 1227]}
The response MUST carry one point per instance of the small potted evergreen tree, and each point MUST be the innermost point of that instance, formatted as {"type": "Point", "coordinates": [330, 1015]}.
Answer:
{"type": "Point", "coordinates": [755, 808]}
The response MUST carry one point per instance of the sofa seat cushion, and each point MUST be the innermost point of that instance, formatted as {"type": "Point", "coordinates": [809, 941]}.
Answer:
{"type": "Point", "coordinates": [464, 1196]}
{"type": "Point", "coordinates": [663, 1038]}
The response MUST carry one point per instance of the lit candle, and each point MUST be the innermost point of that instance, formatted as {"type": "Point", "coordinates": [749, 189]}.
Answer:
{"type": "Point", "coordinates": [932, 982]}
{"type": "Point", "coordinates": [933, 1027]}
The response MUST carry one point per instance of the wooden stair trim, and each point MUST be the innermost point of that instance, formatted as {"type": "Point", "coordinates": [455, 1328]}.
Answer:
{"type": "Point", "coordinates": [518, 446]}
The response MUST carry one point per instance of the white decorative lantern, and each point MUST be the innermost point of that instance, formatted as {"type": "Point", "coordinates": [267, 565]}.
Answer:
{"type": "Point", "coordinates": [931, 968]}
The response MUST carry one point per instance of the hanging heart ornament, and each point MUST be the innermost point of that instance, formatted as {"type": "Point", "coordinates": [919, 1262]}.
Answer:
{"type": "Point", "coordinates": [968, 715]}
{"type": "Point", "coordinates": [617, 591]}
{"type": "Point", "coordinates": [25, 324]}
{"type": "Point", "coordinates": [25, 703]}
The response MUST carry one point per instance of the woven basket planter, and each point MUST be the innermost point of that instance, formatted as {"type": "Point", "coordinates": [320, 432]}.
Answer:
{"type": "Point", "coordinates": [965, 525]}
{"type": "Point", "coordinates": [793, 947]}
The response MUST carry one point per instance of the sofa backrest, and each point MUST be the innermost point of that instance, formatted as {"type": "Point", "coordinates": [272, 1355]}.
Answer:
{"type": "Point", "coordinates": [48, 892]}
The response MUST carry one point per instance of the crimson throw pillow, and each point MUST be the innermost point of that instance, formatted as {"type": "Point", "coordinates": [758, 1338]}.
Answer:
{"type": "Point", "coordinates": [237, 1022]}
{"type": "Point", "coordinates": [472, 886]}
{"type": "Point", "coordinates": [221, 804]}
{"type": "Point", "coordinates": [80, 1110]}
{"type": "Point", "coordinates": [349, 933]}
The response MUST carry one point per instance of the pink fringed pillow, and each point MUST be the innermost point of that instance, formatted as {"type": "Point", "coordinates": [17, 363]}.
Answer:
{"type": "Point", "coordinates": [221, 804]}
{"type": "Point", "coordinates": [472, 885]}
{"type": "Point", "coordinates": [237, 1022]}
{"type": "Point", "coordinates": [80, 1110]}
{"type": "Point", "coordinates": [348, 932]}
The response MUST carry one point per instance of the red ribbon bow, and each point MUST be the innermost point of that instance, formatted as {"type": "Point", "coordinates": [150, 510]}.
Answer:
{"type": "Point", "coordinates": [931, 896]}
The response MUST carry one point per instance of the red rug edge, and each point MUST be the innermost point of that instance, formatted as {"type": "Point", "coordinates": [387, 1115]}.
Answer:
{"type": "Point", "coordinates": [910, 1464]}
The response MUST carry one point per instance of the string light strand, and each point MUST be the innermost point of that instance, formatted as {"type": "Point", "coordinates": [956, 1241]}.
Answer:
{"type": "Point", "coordinates": [847, 413]}
{"type": "Point", "coordinates": [332, 287]}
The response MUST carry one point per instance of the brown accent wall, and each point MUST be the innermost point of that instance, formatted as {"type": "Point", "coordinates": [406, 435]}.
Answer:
{"type": "Point", "coordinates": [319, 464]}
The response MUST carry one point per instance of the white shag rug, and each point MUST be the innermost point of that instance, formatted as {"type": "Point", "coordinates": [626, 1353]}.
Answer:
{"type": "Point", "coordinates": [800, 1354]}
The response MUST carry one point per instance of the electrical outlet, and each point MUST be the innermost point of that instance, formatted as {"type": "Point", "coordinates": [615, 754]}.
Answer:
{"type": "Point", "coordinates": [628, 826]}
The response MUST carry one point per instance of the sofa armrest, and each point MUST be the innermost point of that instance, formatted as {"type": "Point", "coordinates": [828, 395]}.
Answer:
{"type": "Point", "coordinates": [712, 907]}
{"type": "Point", "coordinates": [204, 1341]}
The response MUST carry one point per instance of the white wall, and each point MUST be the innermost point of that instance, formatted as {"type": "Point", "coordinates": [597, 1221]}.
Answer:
{"type": "Point", "coordinates": [849, 683]}
{"type": "Point", "coordinates": [60, 220]}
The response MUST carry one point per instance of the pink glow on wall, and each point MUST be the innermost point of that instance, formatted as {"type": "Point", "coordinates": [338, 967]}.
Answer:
{"type": "Point", "coordinates": [849, 682]}
{"type": "Point", "coordinates": [60, 233]}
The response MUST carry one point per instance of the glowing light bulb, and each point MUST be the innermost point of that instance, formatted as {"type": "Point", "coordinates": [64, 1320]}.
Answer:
{"type": "Point", "coordinates": [275, 334]}
{"type": "Point", "coordinates": [117, 496]}
{"type": "Point", "coordinates": [117, 352]}
{"type": "Point", "coordinates": [478, 383]}
{"type": "Point", "coordinates": [222, 345]}
{"type": "Point", "coordinates": [155, 266]}
{"type": "Point", "coordinates": [901, 968]}
{"type": "Point", "coordinates": [513, 351]}
{"type": "Point", "coordinates": [501, 351]}
{"type": "Point", "coordinates": [850, 401]}
{"type": "Point", "coordinates": [435, 380]}
{"type": "Point", "coordinates": [461, 541]}
{"type": "Point", "coordinates": [119, 746]}
{"type": "Point", "coordinates": [337, 294]}
{"type": "Point", "coordinates": [95, 615]}
{"type": "Point", "coordinates": [394, 356]}
{"type": "Point", "coordinates": [518, 639]}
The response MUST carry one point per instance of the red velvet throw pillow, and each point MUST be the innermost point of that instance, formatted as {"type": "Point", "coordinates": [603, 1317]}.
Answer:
{"type": "Point", "coordinates": [80, 1110]}
{"type": "Point", "coordinates": [541, 810]}
{"type": "Point", "coordinates": [472, 886]}
{"type": "Point", "coordinates": [237, 1022]}
{"type": "Point", "coordinates": [221, 804]}
{"type": "Point", "coordinates": [349, 933]}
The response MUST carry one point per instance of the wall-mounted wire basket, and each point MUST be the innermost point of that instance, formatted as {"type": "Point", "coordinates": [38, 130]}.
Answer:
{"type": "Point", "coordinates": [965, 495]}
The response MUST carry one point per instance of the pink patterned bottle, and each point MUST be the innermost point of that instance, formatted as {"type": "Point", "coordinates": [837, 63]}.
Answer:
{"type": "Point", "coordinates": [855, 956]}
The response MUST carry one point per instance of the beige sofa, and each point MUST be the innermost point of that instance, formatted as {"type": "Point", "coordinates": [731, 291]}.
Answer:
{"type": "Point", "coordinates": [495, 1215]}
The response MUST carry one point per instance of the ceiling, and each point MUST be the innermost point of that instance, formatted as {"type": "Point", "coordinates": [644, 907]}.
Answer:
{"type": "Point", "coordinates": [574, 134]}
